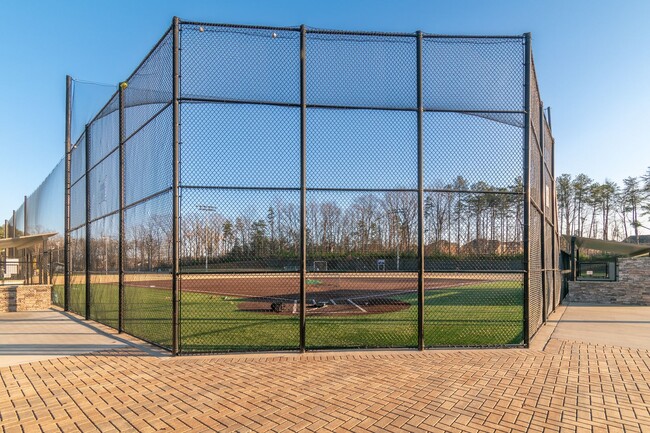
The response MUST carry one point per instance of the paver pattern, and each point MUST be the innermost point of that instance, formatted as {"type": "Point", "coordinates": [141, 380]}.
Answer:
{"type": "Point", "coordinates": [569, 387]}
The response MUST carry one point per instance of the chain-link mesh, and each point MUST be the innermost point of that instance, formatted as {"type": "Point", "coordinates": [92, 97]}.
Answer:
{"type": "Point", "coordinates": [241, 144]}
{"type": "Point", "coordinates": [361, 259]}
{"type": "Point", "coordinates": [78, 159]}
{"type": "Point", "coordinates": [148, 159]}
{"type": "Point", "coordinates": [361, 71]}
{"type": "Point", "coordinates": [535, 286]}
{"type": "Point", "coordinates": [149, 89]}
{"type": "Point", "coordinates": [473, 74]}
{"type": "Point", "coordinates": [104, 279]}
{"type": "Point", "coordinates": [147, 266]}
{"type": "Point", "coordinates": [236, 64]}
{"type": "Point", "coordinates": [463, 152]}
{"type": "Point", "coordinates": [78, 271]}
{"type": "Point", "coordinates": [19, 223]}
{"type": "Point", "coordinates": [239, 254]}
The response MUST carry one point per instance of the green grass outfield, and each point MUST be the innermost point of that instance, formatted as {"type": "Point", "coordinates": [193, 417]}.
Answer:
{"type": "Point", "coordinates": [484, 314]}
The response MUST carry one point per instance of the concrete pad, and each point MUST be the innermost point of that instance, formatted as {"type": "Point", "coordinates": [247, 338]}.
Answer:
{"type": "Point", "coordinates": [39, 335]}
{"type": "Point", "coordinates": [621, 326]}
{"type": "Point", "coordinates": [543, 334]}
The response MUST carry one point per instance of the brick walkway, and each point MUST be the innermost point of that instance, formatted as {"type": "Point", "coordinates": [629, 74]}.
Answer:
{"type": "Point", "coordinates": [569, 387]}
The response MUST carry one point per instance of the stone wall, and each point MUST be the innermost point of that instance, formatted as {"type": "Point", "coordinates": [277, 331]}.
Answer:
{"type": "Point", "coordinates": [632, 287]}
{"type": "Point", "coordinates": [25, 298]}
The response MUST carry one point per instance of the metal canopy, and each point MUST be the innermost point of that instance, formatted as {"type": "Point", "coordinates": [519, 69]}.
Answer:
{"type": "Point", "coordinates": [631, 250]}
{"type": "Point", "coordinates": [28, 241]}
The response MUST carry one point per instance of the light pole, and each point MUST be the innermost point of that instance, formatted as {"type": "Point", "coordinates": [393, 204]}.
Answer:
{"type": "Point", "coordinates": [206, 208]}
{"type": "Point", "coordinates": [399, 214]}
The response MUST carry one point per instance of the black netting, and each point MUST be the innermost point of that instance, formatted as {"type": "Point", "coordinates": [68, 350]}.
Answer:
{"type": "Point", "coordinates": [361, 149]}
{"type": "Point", "coordinates": [473, 73]}
{"type": "Point", "coordinates": [548, 146]}
{"type": "Point", "coordinates": [463, 151]}
{"type": "Point", "coordinates": [78, 203]}
{"type": "Point", "coordinates": [147, 267]}
{"type": "Point", "coordinates": [149, 89]}
{"type": "Point", "coordinates": [535, 286]}
{"type": "Point", "coordinates": [78, 159]}
{"type": "Point", "coordinates": [104, 186]}
{"type": "Point", "coordinates": [549, 280]}
{"type": "Point", "coordinates": [148, 159]}
{"type": "Point", "coordinates": [104, 278]}
{"type": "Point", "coordinates": [19, 223]}
{"type": "Point", "coordinates": [45, 205]}
{"type": "Point", "coordinates": [224, 63]}
{"type": "Point", "coordinates": [361, 70]}
{"type": "Point", "coordinates": [535, 173]}
{"type": "Point", "coordinates": [535, 105]}
{"type": "Point", "coordinates": [104, 132]}
{"type": "Point", "coordinates": [549, 196]}
{"type": "Point", "coordinates": [245, 145]}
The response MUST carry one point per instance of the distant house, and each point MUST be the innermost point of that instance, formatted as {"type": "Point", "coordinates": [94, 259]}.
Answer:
{"type": "Point", "coordinates": [441, 247]}
{"type": "Point", "coordinates": [492, 247]}
{"type": "Point", "coordinates": [643, 239]}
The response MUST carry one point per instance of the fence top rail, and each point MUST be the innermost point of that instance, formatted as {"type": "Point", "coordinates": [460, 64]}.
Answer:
{"type": "Point", "coordinates": [347, 32]}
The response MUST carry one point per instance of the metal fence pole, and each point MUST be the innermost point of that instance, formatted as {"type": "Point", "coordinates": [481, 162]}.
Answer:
{"type": "Point", "coordinates": [420, 195]}
{"type": "Point", "coordinates": [526, 263]}
{"type": "Point", "coordinates": [26, 257]}
{"type": "Point", "coordinates": [303, 187]}
{"type": "Point", "coordinates": [175, 181]}
{"type": "Point", "coordinates": [87, 256]}
{"type": "Point", "coordinates": [120, 242]}
{"type": "Point", "coordinates": [13, 233]}
{"type": "Point", "coordinates": [25, 216]}
{"type": "Point", "coordinates": [66, 230]}
{"type": "Point", "coordinates": [543, 198]}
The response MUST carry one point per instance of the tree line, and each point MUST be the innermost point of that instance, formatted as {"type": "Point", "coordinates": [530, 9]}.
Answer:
{"type": "Point", "coordinates": [606, 210]}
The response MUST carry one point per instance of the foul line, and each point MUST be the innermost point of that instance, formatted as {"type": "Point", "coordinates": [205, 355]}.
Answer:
{"type": "Point", "coordinates": [352, 302]}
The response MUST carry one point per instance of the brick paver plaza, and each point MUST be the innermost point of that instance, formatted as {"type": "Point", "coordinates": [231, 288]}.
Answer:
{"type": "Point", "coordinates": [570, 386]}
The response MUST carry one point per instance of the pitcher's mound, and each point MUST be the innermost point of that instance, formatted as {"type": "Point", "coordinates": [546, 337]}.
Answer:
{"type": "Point", "coordinates": [327, 308]}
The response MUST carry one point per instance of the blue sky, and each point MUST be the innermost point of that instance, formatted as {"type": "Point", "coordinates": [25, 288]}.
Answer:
{"type": "Point", "coordinates": [592, 61]}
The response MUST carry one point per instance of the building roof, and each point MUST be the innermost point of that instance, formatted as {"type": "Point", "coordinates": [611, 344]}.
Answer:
{"type": "Point", "coordinates": [28, 241]}
{"type": "Point", "coordinates": [622, 248]}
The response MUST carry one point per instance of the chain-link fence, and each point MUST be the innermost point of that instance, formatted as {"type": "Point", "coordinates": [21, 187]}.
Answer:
{"type": "Point", "coordinates": [259, 188]}
{"type": "Point", "coordinates": [39, 216]}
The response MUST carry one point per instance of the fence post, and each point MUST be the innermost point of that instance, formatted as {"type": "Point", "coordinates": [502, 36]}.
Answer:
{"type": "Point", "coordinates": [175, 181]}
{"type": "Point", "coordinates": [120, 242]}
{"type": "Point", "coordinates": [420, 194]}
{"type": "Point", "coordinates": [542, 203]}
{"type": "Point", "coordinates": [26, 256]}
{"type": "Point", "coordinates": [303, 188]}
{"type": "Point", "coordinates": [25, 216]}
{"type": "Point", "coordinates": [66, 230]}
{"type": "Point", "coordinates": [87, 255]}
{"type": "Point", "coordinates": [526, 263]}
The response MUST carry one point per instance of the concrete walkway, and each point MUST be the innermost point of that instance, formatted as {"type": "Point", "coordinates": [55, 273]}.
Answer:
{"type": "Point", "coordinates": [36, 336]}
{"type": "Point", "coordinates": [621, 326]}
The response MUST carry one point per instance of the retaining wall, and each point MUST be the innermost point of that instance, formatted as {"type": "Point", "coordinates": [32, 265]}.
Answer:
{"type": "Point", "coordinates": [631, 288]}
{"type": "Point", "coordinates": [25, 298]}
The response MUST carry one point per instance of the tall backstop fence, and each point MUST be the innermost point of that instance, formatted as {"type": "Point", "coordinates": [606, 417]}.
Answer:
{"type": "Point", "coordinates": [267, 188]}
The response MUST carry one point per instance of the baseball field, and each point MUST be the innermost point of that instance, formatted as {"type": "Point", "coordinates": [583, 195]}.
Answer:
{"type": "Point", "coordinates": [238, 312]}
